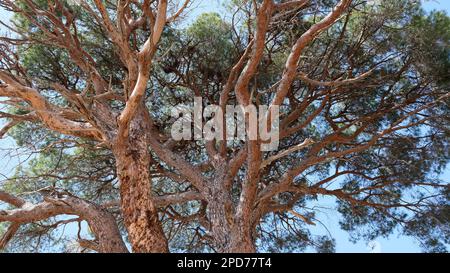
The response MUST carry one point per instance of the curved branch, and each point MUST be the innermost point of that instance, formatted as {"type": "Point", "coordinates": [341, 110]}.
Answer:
{"type": "Point", "coordinates": [44, 109]}
{"type": "Point", "coordinates": [290, 71]}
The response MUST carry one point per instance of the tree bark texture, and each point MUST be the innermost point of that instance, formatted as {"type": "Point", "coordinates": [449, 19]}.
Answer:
{"type": "Point", "coordinates": [139, 211]}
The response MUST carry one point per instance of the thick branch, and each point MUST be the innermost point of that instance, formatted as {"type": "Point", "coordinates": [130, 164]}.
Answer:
{"type": "Point", "coordinates": [290, 71]}
{"type": "Point", "coordinates": [102, 223]}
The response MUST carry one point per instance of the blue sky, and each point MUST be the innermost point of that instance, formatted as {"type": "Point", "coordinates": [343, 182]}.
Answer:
{"type": "Point", "coordinates": [437, 4]}
{"type": "Point", "coordinates": [394, 243]}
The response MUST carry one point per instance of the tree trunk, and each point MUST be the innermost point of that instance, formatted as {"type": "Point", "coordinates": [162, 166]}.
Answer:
{"type": "Point", "coordinates": [219, 210]}
{"type": "Point", "coordinates": [229, 234]}
{"type": "Point", "coordinates": [242, 240]}
{"type": "Point", "coordinates": [140, 214]}
{"type": "Point", "coordinates": [221, 225]}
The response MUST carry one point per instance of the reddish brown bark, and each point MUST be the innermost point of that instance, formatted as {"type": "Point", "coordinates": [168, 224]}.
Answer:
{"type": "Point", "coordinates": [230, 233]}
{"type": "Point", "coordinates": [102, 223]}
{"type": "Point", "coordinates": [138, 209]}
